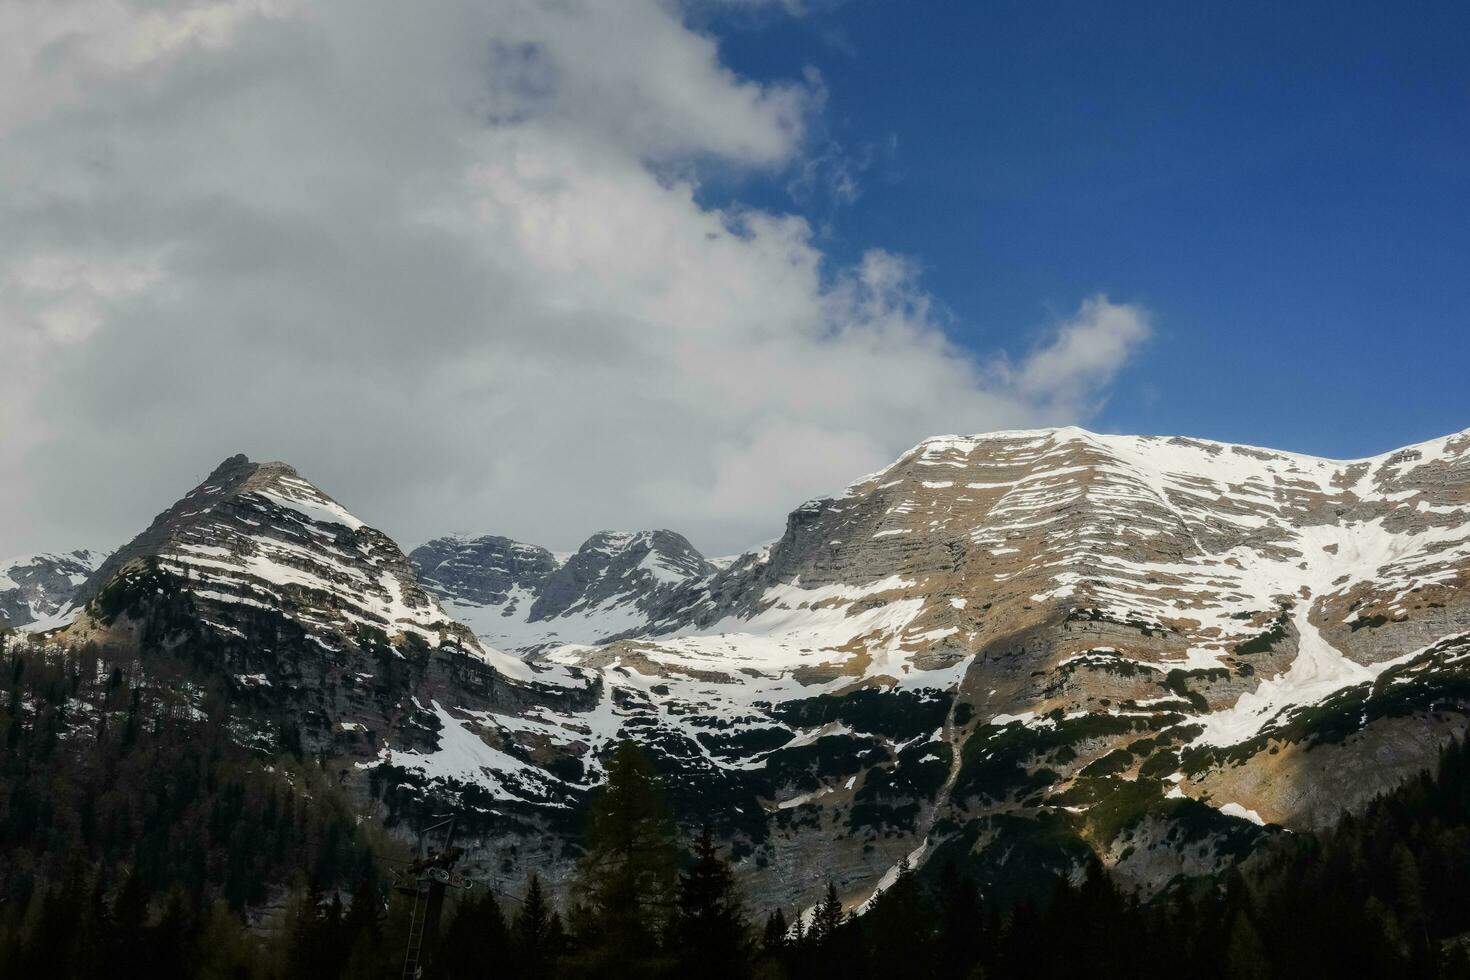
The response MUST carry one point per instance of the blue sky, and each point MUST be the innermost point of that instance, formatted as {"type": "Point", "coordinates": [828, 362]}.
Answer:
{"type": "Point", "coordinates": [1285, 186]}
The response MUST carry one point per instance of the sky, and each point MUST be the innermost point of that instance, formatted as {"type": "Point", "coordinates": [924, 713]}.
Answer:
{"type": "Point", "coordinates": [543, 268]}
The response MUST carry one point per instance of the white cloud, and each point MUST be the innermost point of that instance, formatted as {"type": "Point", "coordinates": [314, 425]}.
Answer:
{"type": "Point", "coordinates": [1085, 354]}
{"type": "Point", "coordinates": [449, 259]}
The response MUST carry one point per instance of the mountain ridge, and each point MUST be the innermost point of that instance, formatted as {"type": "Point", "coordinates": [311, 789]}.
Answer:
{"type": "Point", "coordinates": [526, 597]}
{"type": "Point", "coordinates": [1045, 640]}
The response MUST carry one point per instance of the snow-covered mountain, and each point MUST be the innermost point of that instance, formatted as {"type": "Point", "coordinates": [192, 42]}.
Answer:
{"type": "Point", "coordinates": [1066, 622]}
{"type": "Point", "coordinates": [523, 597]}
{"type": "Point", "coordinates": [256, 535]}
{"type": "Point", "coordinates": [316, 622]}
{"type": "Point", "coordinates": [1009, 650]}
{"type": "Point", "coordinates": [1182, 551]}
{"type": "Point", "coordinates": [34, 588]}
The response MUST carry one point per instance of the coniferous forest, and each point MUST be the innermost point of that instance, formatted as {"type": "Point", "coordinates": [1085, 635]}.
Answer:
{"type": "Point", "coordinates": [138, 856]}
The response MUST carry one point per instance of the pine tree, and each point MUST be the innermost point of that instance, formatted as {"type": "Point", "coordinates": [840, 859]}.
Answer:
{"type": "Point", "coordinates": [226, 948]}
{"type": "Point", "coordinates": [304, 935]}
{"type": "Point", "coordinates": [535, 934]}
{"type": "Point", "coordinates": [1019, 942]}
{"type": "Point", "coordinates": [1409, 903]}
{"type": "Point", "coordinates": [130, 916]}
{"type": "Point", "coordinates": [826, 918]}
{"type": "Point", "coordinates": [710, 928]}
{"type": "Point", "coordinates": [90, 940]}
{"type": "Point", "coordinates": [556, 941]}
{"type": "Point", "coordinates": [1245, 957]}
{"type": "Point", "coordinates": [169, 954]}
{"type": "Point", "coordinates": [961, 923]}
{"type": "Point", "coordinates": [626, 879]}
{"type": "Point", "coordinates": [477, 936]}
{"type": "Point", "coordinates": [901, 927]}
{"type": "Point", "coordinates": [773, 940]}
{"type": "Point", "coordinates": [365, 914]}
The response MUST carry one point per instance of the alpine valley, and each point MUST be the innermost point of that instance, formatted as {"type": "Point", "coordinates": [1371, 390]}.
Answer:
{"type": "Point", "coordinates": [1010, 651]}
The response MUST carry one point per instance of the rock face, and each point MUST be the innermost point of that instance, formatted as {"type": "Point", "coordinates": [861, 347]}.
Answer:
{"type": "Point", "coordinates": [312, 626]}
{"type": "Point", "coordinates": [34, 588]}
{"type": "Point", "coordinates": [1115, 623]}
{"type": "Point", "coordinates": [615, 568]}
{"type": "Point", "coordinates": [1011, 650]}
{"type": "Point", "coordinates": [484, 571]}
{"type": "Point", "coordinates": [523, 597]}
{"type": "Point", "coordinates": [256, 535]}
{"type": "Point", "coordinates": [488, 581]}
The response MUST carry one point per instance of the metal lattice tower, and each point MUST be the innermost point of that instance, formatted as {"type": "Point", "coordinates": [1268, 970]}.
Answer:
{"type": "Point", "coordinates": [427, 879]}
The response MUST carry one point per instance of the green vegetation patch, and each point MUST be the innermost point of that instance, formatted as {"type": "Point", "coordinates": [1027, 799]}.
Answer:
{"type": "Point", "coordinates": [1263, 642]}
{"type": "Point", "coordinates": [1013, 858]}
{"type": "Point", "coordinates": [897, 714]}
{"type": "Point", "coordinates": [994, 762]}
{"type": "Point", "coordinates": [918, 771]}
{"type": "Point", "coordinates": [883, 817]}
{"type": "Point", "coordinates": [744, 743]}
{"type": "Point", "coordinates": [1114, 762]}
{"type": "Point", "coordinates": [1177, 682]}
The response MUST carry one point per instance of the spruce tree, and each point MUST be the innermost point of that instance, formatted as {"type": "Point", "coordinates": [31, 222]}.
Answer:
{"type": "Point", "coordinates": [1020, 940]}
{"type": "Point", "coordinates": [826, 918]}
{"type": "Point", "coordinates": [535, 934]}
{"type": "Point", "coordinates": [130, 916]}
{"type": "Point", "coordinates": [710, 929]}
{"type": "Point", "coordinates": [773, 940]}
{"type": "Point", "coordinates": [476, 937]}
{"type": "Point", "coordinates": [365, 914]}
{"type": "Point", "coordinates": [1246, 955]}
{"type": "Point", "coordinates": [960, 923]}
{"type": "Point", "coordinates": [901, 927]}
{"type": "Point", "coordinates": [304, 934]}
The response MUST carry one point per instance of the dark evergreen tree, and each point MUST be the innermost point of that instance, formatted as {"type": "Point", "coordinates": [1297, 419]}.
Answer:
{"type": "Point", "coordinates": [363, 932]}
{"type": "Point", "coordinates": [900, 928]}
{"type": "Point", "coordinates": [1017, 954]}
{"type": "Point", "coordinates": [365, 914]}
{"type": "Point", "coordinates": [475, 939]}
{"type": "Point", "coordinates": [306, 930]}
{"type": "Point", "coordinates": [774, 938]}
{"type": "Point", "coordinates": [826, 918]}
{"type": "Point", "coordinates": [961, 923]}
{"type": "Point", "coordinates": [710, 931]}
{"type": "Point", "coordinates": [626, 879]}
{"type": "Point", "coordinates": [536, 934]}
{"type": "Point", "coordinates": [1245, 956]}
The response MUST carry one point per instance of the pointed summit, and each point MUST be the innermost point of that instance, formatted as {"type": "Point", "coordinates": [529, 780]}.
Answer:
{"type": "Point", "coordinates": [523, 597]}
{"type": "Point", "coordinates": [620, 567]}
{"type": "Point", "coordinates": [257, 536]}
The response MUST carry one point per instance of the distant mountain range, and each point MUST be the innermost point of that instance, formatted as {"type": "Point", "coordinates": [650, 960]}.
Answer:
{"type": "Point", "coordinates": [523, 597]}
{"type": "Point", "coordinates": [1011, 650]}
{"type": "Point", "coordinates": [34, 588]}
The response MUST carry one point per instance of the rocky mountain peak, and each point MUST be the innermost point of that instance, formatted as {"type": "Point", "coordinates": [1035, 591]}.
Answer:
{"type": "Point", "coordinates": [232, 468]}
{"type": "Point", "coordinates": [523, 597]}
{"type": "Point", "coordinates": [1052, 513]}
{"type": "Point", "coordinates": [486, 570]}
{"type": "Point", "coordinates": [618, 565]}
{"type": "Point", "coordinates": [259, 536]}
{"type": "Point", "coordinates": [34, 588]}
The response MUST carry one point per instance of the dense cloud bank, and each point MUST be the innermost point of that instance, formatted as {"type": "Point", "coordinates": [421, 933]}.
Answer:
{"type": "Point", "coordinates": [450, 260]}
